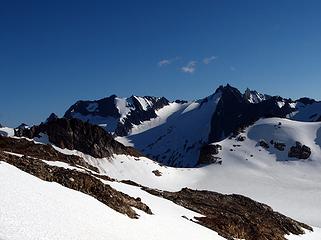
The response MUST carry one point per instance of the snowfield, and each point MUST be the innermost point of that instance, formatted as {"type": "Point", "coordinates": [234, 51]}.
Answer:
{"type": "Point", "coordinates": [34, 209]}
{"type": "Point", "coordinates": [177, 132]}
{"type": "Point", "coordinates": [7, 132]}
{"type": "Point", "coordinates": [290, 187]}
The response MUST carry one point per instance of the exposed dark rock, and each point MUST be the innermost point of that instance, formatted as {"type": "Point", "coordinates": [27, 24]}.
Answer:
{"type": "Point", "coordinates": [157, 173]}
{"type": "Point", "coordinates": [107, 107]}
{"type": "Point", "coordinates": [79, 181]}
{"type": "Point", "coordinates": [299, 151]}
{"type": "Point", "coordinates": [82, 136]}
{"type": "Point", "coordinates": [264, 144]}
{"type": "Point", "coordinates": [207, 153]}
{"type": "Point", "coordinates": [254, 96]}
{"type": "Point", "coordinates": [138, 114]}
{"type": "Point", "coordinates": [279, 146]}
{"type": "Point", "coordinates": [240, 138]}
{"type": "Point", "coordinates": [180, 101]}
{"type": "Point", "coordinates": [234, 216]}
{"type": "Point", "coordinates": [233, 112]}
{"type": "Point", "coordinates": [52, 117]}
{"type": "Point", "coordinates": [306, 100]}
{"type": "Point", "coordinates": [21, 128]}
{"type": "Point", "coordinates": [41, 151]}
{"type": "Point", "coordinates": [130, 182]}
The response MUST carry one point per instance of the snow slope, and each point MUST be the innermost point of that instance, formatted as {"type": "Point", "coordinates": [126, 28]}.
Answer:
{"type": "Point", "coordinates": [290, 187]}
{"type": "Point", "coordinates": [28, 202]}
{"type": "Point", "coordinates": [34, 209]}
{"type": "Point", "coordinates": [113, 111]}
{"type": "Point", "coordinates": [307, 113]}
{"type": "Point", "coordinates": [176, 135]}
{"type": "Point", "coordinates": [6, 131]}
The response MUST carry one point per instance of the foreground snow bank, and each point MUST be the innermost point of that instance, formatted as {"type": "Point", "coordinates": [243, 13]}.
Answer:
{"type": "Point", "coordinates": [34, 209]}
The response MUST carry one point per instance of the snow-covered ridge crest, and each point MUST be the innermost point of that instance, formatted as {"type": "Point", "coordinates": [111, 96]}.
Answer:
{"type": "Point", "coordinates": [117, 114]}
{"type": "Point", "coordinates": [255, 97]}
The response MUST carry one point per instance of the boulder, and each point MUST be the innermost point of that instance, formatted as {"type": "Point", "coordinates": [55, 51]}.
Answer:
{"type": "Point", "coordinates": [299, 151]}
{"type": "Point", "coordinates": [157, 173]}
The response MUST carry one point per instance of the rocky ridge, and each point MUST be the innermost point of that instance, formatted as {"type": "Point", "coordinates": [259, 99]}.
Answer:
{"type": "Point", "coordinates": [76, 134]}
{"type": "Point", "coordinates": [235, 216]}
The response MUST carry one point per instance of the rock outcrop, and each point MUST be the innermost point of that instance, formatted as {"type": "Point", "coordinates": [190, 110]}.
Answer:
{"type": "Point", "coordinates": [299, 151]}
{"type": "Point", "coordinates": [79, 181]}
{"type": "Point", "coordinates": [208, 152]}
{"type": "Point", "coordinates": [41, 151]}
{"type": "Point", "coordinates": [234, 216]}
{"type": "Point", "coordinates": [234, 112]}
{"type": "Point", "coordinates": [138, 109]}
{"type": "Point", "coordinates": [78, 135]}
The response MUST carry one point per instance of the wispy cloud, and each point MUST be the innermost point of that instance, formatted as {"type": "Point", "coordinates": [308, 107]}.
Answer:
{"type": "Point", "coordinates": [165, 62]}
{"type": "Point", "coordinates": [232, 68]}
{"type": "Point", "coordinates": [190, 67]}
{"type": "Point", "coordinates": [208, 60]}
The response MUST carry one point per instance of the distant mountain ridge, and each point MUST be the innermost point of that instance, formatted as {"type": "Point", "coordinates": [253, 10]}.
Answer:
{"type": "Point", "coordinates": [173, 133]}
{"type": "Point", "coordinates": [116, 114]}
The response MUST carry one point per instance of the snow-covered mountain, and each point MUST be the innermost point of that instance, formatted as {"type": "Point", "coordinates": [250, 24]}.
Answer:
{"type": "Point", "coordinates": [115, 114]}
{"type": "Point", "coordinates": [173, 133]}
{"type": "Point", "coordinates": [123, 197]}
{"type": "Point", "coordinates": [253, 96]}
{"type": "Point", "coordinates": [123, 174]}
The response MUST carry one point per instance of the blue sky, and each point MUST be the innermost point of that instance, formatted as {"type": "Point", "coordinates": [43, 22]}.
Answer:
{"type": "Point", "coordinates": [53, 53]}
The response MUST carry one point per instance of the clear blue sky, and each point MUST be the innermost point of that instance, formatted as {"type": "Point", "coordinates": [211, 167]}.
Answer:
{"type": "Point", "coordinates": [53, 53]}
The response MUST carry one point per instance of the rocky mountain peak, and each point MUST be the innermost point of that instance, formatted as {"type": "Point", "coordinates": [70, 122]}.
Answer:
{"type": "Point", "coordinates": [76, 134]}
{"type": "Point", "coordinates": [51, 117]}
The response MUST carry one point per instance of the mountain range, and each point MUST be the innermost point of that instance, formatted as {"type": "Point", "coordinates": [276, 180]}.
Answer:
{"type": "Point", "coordinates": [213, 168]}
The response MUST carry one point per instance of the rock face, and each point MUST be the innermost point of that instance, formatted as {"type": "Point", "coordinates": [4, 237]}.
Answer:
{"type": "Point", "coordinates": [125, 112]}
{"type": "Point", "coordinates": [82, 136]}
{"type": "Point", "coordinates": [299, 151]}
{"type": "Point", "coordinates": [207, 153]}
{"type": "Point", "coordinates": [254, 96]}
{"type": "Point", "coordinates": [232, 112]}
{"type": "Point", "coordinates": [235, 112]}
{"type": "Point", "coordinates": [234, 216]}
{"type": "Point", "coordinates": [79, 181]}
{"type": "Point", "coordinates": [41, 151]}
{"type": "Point", "coordinates": [52, 117]}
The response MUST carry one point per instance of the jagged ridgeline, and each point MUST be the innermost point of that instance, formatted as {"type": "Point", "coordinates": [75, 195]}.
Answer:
{"type": "Point", "coordinates": [174, 132]}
